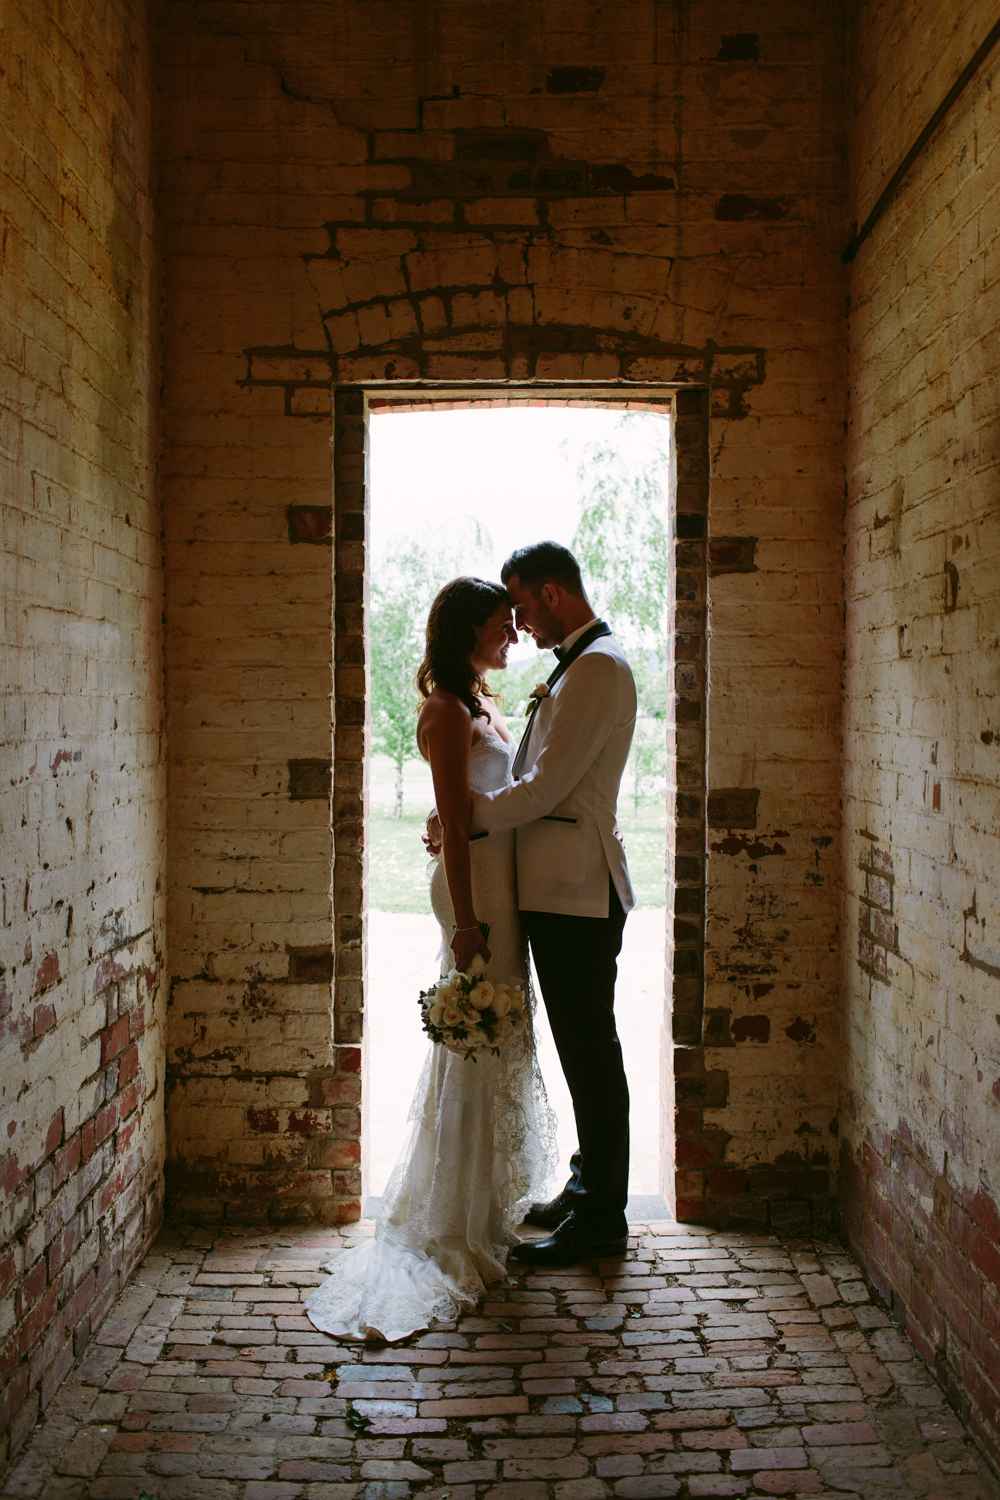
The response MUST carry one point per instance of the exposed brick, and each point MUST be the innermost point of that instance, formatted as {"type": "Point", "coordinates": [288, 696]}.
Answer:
{"type": "Point", "coordinates": [309, 780]}
{"type": "Point", "coordinates": [310, 965]}
{"type": "Point", "coordinates": [574, 80]}
{"type": "Point", "coordinates": [82, 747]}
{"type": "Point", "coordinates": [733, 807]}
{"type": "Point", "coordinates": [311, 524]}
{"type": "Point", "coordinates": [732, 554]}
{"type": "Point", "coordinates": [741, 46]}
{"type": "Point", "coordinates": [916, 1147]}
{"type": "Point", "coordinates": [114, 1039]}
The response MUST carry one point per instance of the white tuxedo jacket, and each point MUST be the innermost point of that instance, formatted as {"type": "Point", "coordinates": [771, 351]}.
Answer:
{"type": "Point", "coordinates": [564, 807]}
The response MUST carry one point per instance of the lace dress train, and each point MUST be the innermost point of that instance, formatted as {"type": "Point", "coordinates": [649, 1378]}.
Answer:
{"type": "Point", "coordinates": [480, 1145]}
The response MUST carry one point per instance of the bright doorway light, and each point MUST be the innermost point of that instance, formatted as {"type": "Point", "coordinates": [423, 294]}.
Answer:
{"type": "Point", "coordinates": [456, 491]}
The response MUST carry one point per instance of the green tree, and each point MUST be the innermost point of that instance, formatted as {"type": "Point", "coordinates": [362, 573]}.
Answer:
{"type": "Point", "coordinates": [621, 536]}
{"type": "Point", "coordinates": [647, 758]}
{"type": "Point", "coordinates": [398, 602]}
{"type": "Point", "coordinates": [405, 578]}
{"type": "Point", "coordinates": [621, 544]}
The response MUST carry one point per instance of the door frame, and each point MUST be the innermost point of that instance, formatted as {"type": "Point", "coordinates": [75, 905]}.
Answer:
{"type": "Point", "coordinates": [687, 1148]}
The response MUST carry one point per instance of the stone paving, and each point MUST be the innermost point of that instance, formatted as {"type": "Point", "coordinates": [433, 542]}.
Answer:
{"type": "Point", "coordinates": [705, 1364]}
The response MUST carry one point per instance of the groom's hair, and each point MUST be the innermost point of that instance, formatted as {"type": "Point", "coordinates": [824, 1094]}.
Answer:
{"type": "Point", "coordinates": [544, 562]}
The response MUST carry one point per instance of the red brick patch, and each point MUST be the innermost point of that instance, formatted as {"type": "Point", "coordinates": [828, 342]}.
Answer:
{"type": "Point", "coordinates": [114, 1039]}
{"type": "Point", "coordinates": [43, 1019]}
{"type": "Point", "coordinates": [128, 1065]}
{"type": "Point", "coordinates": [54, 1134]}
{"type": "Point", "coordinates": [47, 974]}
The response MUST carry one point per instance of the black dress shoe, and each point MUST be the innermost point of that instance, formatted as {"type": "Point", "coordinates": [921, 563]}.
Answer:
{"type": "Point", "coordinates": [549, 1215]}
{"type": "Point", "coordinates": [572, 1242]}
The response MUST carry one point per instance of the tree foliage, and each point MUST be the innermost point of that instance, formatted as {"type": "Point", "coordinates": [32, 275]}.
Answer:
{"type": "Point", "coordinates": [621, 543]}
{"type": "Point", "coordinates": [621, 537]}
{"type": "Point", "coordinates": [405, 579]}
{"type": "Point", "coordinates": [622, 546]}
{"type": "Point", "coordinates": [396, 626]}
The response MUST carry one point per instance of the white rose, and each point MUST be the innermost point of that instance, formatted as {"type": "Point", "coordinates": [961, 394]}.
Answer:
{"type": "Point", "coordinates": [452, 1016]}
{"type": "Point", "coordinates": [501, 1000]}
{"type": "Point", "coordinates": [482, 996]}
{"type": "Point", "coordinates": [477, 966]}
{"type": "Point", "coordinates": [436, 1013]}
{"type": "Point", "coordinates": [516, 997]}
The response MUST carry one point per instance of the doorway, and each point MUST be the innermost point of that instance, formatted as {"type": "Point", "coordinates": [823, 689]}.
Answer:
{"type": "Point", "coordinates": [452, 487]}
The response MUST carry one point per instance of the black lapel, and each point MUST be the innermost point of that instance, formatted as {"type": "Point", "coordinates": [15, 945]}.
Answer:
{"type": "Point", "coordinates": [592, 633]}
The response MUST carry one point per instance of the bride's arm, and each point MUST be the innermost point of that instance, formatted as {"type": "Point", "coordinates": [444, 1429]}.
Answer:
{"type": "Point", "coordinates": [446, 733]}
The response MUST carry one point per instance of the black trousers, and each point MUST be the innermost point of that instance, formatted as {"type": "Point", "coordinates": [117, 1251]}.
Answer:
{"type": "Point", "coordinates": [577, 963]}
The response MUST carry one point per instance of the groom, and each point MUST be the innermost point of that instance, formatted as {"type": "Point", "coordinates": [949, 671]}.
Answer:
{"type": "Point", "coordinates": [573, 885]}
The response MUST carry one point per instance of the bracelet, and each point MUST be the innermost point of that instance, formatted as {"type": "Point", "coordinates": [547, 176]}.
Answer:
{"type": "Point", "coordinates": [473, 928]}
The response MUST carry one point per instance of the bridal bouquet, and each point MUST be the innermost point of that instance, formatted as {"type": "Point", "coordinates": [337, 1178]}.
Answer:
{"type": "Point", "coordinates": [469, 1014]}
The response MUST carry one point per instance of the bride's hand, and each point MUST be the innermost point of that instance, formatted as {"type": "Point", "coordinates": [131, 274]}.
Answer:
{"type": "Point", "coordinates": [466, 944]}
{"type": "Point", "coordinates": [431, 836]}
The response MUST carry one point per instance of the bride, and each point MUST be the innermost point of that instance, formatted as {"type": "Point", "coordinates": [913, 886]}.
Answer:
{"type": "Point", "coordinates": [481, 1138]}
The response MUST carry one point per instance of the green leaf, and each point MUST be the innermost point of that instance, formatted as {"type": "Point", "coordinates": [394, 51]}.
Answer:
{"type": "Point", "coordinates": [357, 1421]}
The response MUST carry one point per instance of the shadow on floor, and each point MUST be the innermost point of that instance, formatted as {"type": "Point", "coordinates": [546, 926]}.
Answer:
{"type": "Point", "coordinates": [706, 1363]}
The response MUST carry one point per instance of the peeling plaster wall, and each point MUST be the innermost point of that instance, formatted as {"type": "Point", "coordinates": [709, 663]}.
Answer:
{"type": "Point", "coordinates": [82, 773]}
{"type": "Point", "coordinates": [485, 191]}
{"type": "Point", "coordinates": [922, 727]}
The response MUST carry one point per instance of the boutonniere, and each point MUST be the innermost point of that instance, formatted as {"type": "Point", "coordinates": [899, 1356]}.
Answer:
{"type": "Point", "coordinates": [536, 695]}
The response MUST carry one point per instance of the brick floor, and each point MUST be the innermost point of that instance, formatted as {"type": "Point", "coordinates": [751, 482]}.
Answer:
{"type": "Point", "coordinates": [708, 1364]}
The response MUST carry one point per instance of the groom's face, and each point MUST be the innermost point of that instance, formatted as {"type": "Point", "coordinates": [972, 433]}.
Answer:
{"type": "Point", "coordinates": [533, 613]}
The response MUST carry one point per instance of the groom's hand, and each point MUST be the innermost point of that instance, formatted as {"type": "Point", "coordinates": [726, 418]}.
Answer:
{"type": "Point", "coordinates": [431, 836]}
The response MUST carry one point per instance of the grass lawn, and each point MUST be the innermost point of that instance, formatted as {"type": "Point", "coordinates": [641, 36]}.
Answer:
{"type": "Point", "coordinates": [398, 866]}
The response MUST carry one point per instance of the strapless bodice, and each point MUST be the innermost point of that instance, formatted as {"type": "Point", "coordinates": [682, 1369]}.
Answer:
{"type": "Point", "coordinates": [491, 858]}
{"type": "Point", "coordinates": [490, 761]}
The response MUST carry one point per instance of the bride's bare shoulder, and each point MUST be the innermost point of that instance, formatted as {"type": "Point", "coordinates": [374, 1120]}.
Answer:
{"type": "Point", "coordinates": [442, 713]}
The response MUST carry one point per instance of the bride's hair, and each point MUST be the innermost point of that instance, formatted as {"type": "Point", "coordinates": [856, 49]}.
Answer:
{"type": "Point", "coordinates": [460, 609]}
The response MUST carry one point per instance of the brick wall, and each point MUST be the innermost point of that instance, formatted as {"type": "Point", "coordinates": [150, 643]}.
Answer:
{"type": "Point", "coordinates": [482, 192]}
{"type": "Point", "coordinates": [921, 1129]}
{"type": "Point", "coordinates": [81, 759]}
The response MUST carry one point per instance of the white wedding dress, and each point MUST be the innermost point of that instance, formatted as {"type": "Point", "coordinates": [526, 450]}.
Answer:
{"type": "Point", "coordinates": [481, 1143]}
